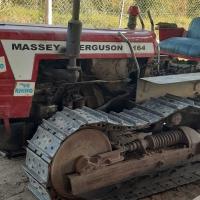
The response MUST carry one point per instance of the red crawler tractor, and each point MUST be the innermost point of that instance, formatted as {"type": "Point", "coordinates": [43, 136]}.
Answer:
{"type": "Point", "coordinates": [35, 71]}
{"type": "Point", "coordinates": [98, 121]}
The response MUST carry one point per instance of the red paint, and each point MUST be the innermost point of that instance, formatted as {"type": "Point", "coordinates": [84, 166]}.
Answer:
{"type": "Point", "coordinates": [165, 33]}
{"type": "Point", "coordinates": [134, 11]}
{"type": "Point", "coordinates": [19, 107]}
{"type": "Point", "coordinates": [53, 33]}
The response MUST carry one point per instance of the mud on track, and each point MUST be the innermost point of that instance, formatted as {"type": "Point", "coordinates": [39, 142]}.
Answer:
{"type": "Point", "coordinates": [13, 184]}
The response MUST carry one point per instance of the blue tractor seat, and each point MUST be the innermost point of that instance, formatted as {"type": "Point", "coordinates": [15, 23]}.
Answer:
{"type": "Point", "coordinates": [188, 46]}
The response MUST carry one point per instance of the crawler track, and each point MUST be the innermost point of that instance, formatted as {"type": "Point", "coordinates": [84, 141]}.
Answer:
{"type": "Point", "coordinates": [186, 192]}
{"type": "Point", "coordinates": [52, 133]}
{"type": "Point", "coordinates": [13, 185]}
{"type": "Point", "coordinates": [149, 185]}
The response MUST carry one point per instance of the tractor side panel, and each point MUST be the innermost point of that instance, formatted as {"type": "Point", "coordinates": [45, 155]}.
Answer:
{"type": "Point", "coordinates": [22, 48]}
{"type": "Point", "coordinates": [15, 96]}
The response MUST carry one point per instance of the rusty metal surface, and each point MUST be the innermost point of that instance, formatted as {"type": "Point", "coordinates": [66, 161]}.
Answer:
{"type": "Point", "coordinates": [65, 123]}
{"type": "Point", "coordinates": [158, 141]}
{"type": "Point", "coordinates": [13, 185]}
{"type": "Point", "coordinates": [114, 174]}
{"type": "Point", "coordinates": [157, 183]}
{"type": "Point", "coordinates": [87, 142]}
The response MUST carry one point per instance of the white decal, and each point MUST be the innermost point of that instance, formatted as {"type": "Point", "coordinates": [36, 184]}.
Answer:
{"type": "Point", "coordinates": [21, 53]}
{"type": "Point", "coordinates": [2, 64]}
{"type": "Point", "coordinates": [24, 89]}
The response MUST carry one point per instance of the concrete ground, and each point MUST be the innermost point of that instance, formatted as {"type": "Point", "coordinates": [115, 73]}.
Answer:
{"type": "Point", "coordinates": [13, 181]}
{"type": "Point", "coordinates": [13, 184]}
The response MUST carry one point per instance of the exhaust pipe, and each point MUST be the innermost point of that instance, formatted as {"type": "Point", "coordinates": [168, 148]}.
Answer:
{"type": "Point", "coordinates": [73, 42]}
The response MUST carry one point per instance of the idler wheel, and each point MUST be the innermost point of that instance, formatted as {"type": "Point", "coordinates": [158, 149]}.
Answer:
{"type": "Point", "coordinates": [86, 142]}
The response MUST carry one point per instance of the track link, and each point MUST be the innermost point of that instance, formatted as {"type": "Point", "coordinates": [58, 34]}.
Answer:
{"type": "Point", "coordinates": [54, 131]}
{"type": "Point", "coordinates": [149, 185]}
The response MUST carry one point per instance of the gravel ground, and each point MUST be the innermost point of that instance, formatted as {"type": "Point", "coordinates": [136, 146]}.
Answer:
{"type": "Point", "coordinates": [13, 184]}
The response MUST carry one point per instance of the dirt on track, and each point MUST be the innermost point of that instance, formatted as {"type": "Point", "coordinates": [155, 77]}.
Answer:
{"type": "Point", "coordinates": [13, 183]}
